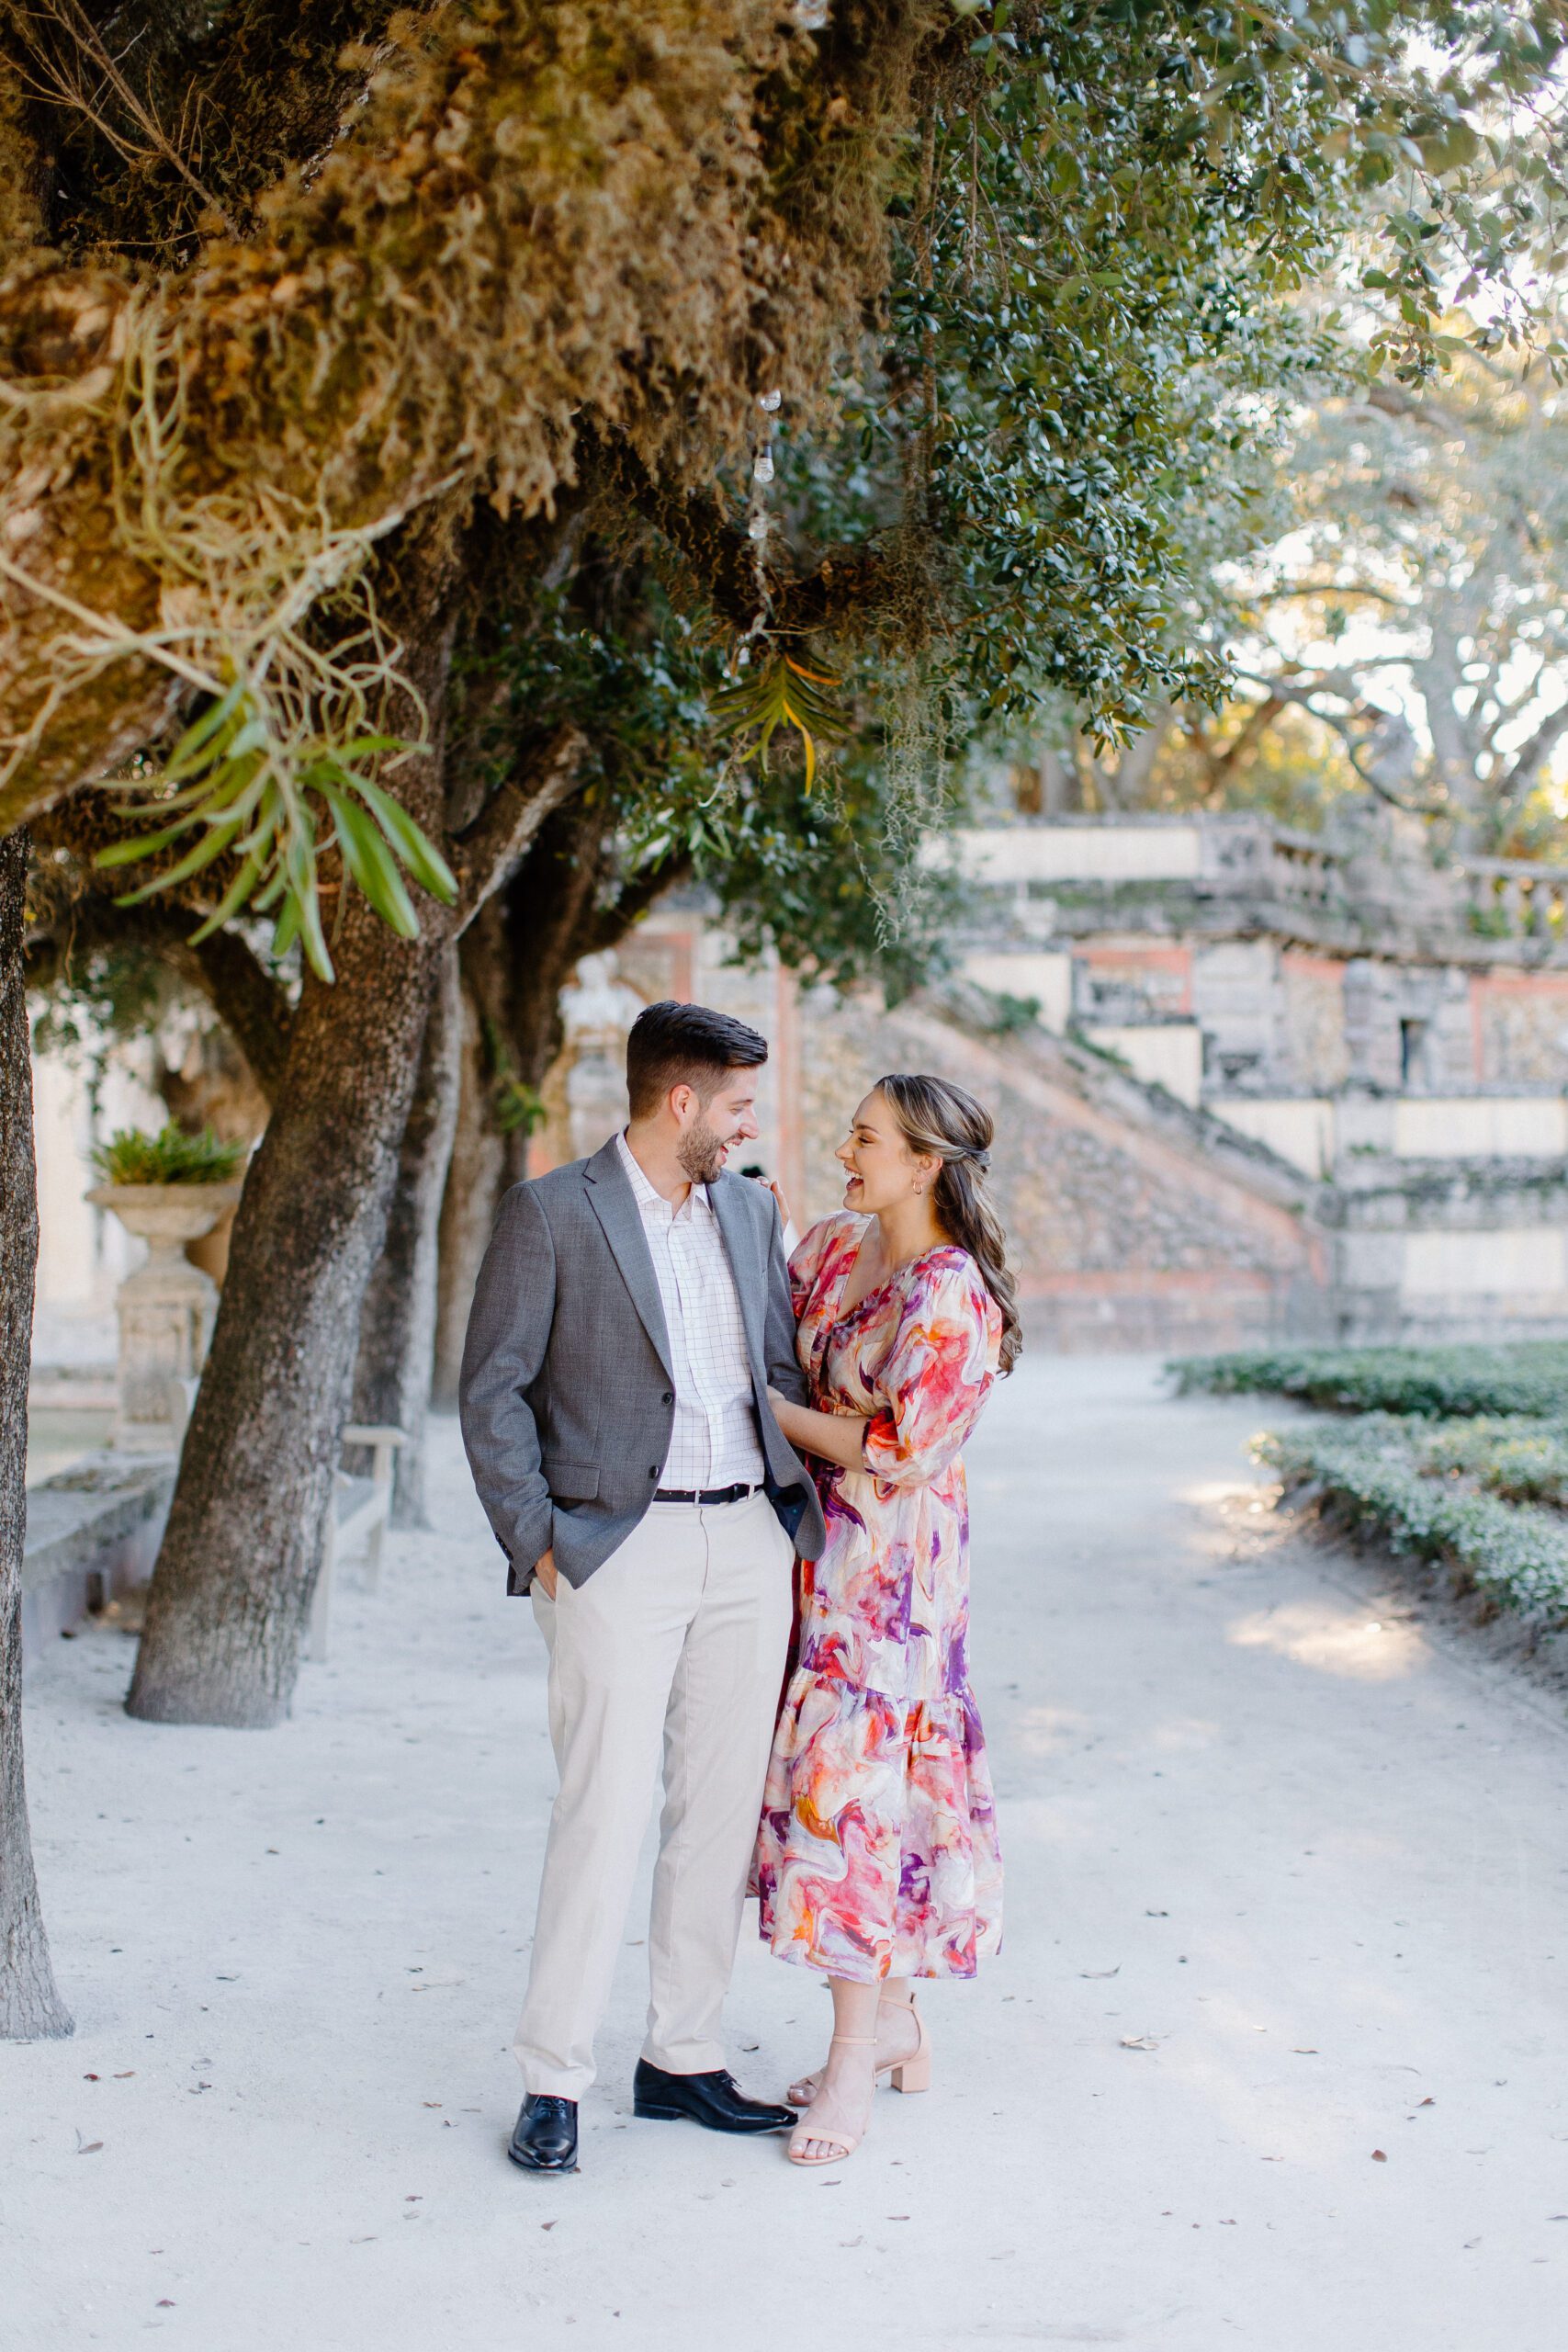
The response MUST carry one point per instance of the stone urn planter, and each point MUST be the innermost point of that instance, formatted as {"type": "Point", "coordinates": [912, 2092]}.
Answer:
{"type": "Point", "coordinates": [165, 1307]}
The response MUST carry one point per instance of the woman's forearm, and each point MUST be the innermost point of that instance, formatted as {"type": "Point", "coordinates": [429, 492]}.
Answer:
{"type": "Point", "coordinates": [836, 1437]}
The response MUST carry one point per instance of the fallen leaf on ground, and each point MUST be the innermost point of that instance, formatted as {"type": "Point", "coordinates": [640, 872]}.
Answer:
{"type": "Point", "coordinates": [1304, 2053]}
{"type": "Point", "coordinates": [1426, 2102]}
{"type": "Point", "coordinates": [91, 2149]}
{"type": "Point", "coordinates": [547, 2225]}
{"type": "Point", "coordinates": [164, 2304]}
{"type": "Point", "coordinates": [1097, 1973]}
{"type": "Point", "coordinates": [127, 2076]}
{"type": "Point", "coordinates": [1139, 2042]}
{"type": "Point", "coordinates": [1379, 2157]}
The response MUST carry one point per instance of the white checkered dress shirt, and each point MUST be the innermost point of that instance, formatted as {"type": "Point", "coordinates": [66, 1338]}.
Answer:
{"type": "Point", "coordinates": [715, 1441]}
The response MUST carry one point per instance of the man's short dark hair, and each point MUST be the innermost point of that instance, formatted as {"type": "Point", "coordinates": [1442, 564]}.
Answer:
{"type": "Point", "coordinates": [685, 1044]}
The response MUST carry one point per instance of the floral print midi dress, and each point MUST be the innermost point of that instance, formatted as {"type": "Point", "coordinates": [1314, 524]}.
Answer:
{"type": "Point", "coordinates": [877, 1854]}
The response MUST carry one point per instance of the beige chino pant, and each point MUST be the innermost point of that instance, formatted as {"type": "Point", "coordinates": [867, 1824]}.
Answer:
{"type": "Point", "coordinates": [678, 1640]}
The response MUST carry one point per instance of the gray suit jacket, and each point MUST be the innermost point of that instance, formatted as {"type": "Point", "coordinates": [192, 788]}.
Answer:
{"type": "Point", "coordinates": [567, 1397]}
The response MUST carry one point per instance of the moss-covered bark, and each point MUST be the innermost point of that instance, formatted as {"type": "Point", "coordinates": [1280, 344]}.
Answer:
{"type": "Point", "coordinates": [546, 224]}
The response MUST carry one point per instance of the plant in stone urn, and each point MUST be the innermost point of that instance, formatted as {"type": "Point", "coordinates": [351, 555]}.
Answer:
{"type": "Point", "coordinates": [167, 1189]}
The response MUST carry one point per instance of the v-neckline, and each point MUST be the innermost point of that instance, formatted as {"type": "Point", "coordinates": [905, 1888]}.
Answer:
{"type": "Point", "coordinates": [848, 1314]}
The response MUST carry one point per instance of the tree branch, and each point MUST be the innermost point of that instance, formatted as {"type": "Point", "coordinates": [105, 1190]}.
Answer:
{"type": "Point", "coordinates": [251, 1004]}
{"type": "Point", "coordinates": [845, 580]}
{"type": "Point", "coordinates": [1532, 753]}
{"type": "Point", "coordinates": [489, 852]}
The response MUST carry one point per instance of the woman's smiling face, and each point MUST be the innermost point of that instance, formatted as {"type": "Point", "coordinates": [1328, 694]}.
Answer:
{"type": "Point", "coordinates": [881, 1168]}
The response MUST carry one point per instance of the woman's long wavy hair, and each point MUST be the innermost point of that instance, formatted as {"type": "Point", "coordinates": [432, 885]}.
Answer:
{"type": "Point", "coordinates": [935, 1116]}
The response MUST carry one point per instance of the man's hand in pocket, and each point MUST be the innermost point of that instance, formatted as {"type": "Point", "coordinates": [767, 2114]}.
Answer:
{"type": "Point", "coordinates": [544, 1572]}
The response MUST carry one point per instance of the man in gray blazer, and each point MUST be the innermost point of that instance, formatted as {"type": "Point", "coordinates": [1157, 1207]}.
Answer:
{"type": "Point", "coordinates": [631, 1312]}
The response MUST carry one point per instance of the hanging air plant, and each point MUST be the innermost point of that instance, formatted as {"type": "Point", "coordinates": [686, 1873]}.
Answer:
{"type": "Point", "coordinates": [783, 693]}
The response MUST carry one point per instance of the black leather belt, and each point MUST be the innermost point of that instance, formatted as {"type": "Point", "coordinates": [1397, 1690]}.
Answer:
{"type": "Point", "coordinates": [706, 1495]}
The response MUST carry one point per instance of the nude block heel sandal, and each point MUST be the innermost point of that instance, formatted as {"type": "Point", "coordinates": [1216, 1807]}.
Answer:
{"type": "Point", "coordinates": [911, 2073]}
{"type": "Point", "coordinates": [843, 2144]}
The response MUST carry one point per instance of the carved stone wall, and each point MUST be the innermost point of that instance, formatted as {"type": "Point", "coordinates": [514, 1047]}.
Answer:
{"type": "Point", "coordinates": [1127, 1230]}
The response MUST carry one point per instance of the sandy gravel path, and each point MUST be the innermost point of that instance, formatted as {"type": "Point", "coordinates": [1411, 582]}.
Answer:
{"type": "Point", "coordinates": [1289, 1888]}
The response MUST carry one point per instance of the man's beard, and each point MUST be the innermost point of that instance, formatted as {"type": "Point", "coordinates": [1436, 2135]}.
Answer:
{"type": "Point", "coordinates": [700, 1153]}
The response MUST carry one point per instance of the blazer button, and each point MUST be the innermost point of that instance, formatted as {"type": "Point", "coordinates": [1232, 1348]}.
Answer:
{"type": "Point", "coordinates": [654, 1472]}
{"type": "Point", "coordinates": [668, 1398]}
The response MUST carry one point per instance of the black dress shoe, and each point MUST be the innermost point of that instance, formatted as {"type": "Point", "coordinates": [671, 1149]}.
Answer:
{"type": "Point", "coordinates": [546, 2136]}
{"type": "Point", "coordinates": [712, 2100]}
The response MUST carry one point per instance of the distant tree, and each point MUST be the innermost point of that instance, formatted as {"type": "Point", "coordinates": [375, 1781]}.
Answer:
{"type": "Point", "coordinates": [1420, 610]}
{"type": "Point", "coordinates": [1405, 638]}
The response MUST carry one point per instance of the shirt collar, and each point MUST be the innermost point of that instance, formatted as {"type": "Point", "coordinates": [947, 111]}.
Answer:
{"type": "Point", "coordinates": [647, 1194]}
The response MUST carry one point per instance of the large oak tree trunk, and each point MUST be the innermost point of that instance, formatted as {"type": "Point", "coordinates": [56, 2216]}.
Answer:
{"type": "Point", "coordinates": [30, 2005]}
{"type": "Point", "coordinates": [241, 1553]}
{"type": "Point", "coordinates": [396, 1327]}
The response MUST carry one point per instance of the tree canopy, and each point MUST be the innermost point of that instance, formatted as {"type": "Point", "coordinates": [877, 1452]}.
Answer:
{"type": "Point", "coordinates": [291, 301]}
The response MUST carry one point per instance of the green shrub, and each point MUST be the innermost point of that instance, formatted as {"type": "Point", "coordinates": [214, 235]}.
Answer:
{"type": "Point", "coordinates": [131, 1156]}
{"type": "Point", "coordinates": [1528, 1379]}
{"type": "Point", "coordinates": [1417, 1488]}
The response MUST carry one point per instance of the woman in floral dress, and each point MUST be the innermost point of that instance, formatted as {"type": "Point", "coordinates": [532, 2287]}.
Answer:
{"type": "Point", "coordinates": [878, 1857]}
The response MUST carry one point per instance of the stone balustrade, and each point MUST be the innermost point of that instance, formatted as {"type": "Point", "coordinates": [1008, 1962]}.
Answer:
{"type": "Point", "coordinates": [1515, 898]}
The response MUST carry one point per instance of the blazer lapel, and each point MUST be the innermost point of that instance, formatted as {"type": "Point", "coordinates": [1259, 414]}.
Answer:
{"type": "Point", "coordinates": [614, 1205]}
{"type": "Point", "coordinates": [740, 1242]}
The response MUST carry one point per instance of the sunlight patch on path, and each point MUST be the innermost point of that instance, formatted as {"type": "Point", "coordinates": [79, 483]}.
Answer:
{"type": "Point", "coordinates": [1334, 1639]}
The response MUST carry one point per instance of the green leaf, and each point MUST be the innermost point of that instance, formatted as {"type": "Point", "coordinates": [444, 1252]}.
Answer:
{"type": "Point", "coordinates": [193, 750]}
{"type": "Point", "coordinates": [233, 899]}
{"type": "Point", "coordinates": [371, 863]}
{"type": "Point", "coordinates": [287, 929]}
{"type": "Point", "coordinates": [145, 845]}
{"type": "Point", "coordinates": [202, 855]}
{"type": "Point", "coordinates": [418, 852]}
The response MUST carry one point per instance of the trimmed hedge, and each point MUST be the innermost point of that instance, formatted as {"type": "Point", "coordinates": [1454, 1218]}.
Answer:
{"type": "Point", "coordinates": [1524, 1462]}
{"type": "Point", "coordinates": [1418, 1488]}
{"type": "Point", "coordinates": [1531, 1379]}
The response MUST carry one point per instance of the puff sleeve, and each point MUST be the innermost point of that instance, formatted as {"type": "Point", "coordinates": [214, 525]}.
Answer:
{"type": "Point", "coordinates": [936, 1375]}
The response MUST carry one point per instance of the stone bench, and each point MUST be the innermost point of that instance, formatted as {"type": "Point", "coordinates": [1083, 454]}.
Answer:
{"type": "Point", "coordinates": [357, 1519]}
{"type": "Point", "coordinates": [94, 1529]}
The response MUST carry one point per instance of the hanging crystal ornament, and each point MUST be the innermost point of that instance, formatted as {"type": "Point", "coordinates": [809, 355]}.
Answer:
{"type": "Point", "coordinates": [758, 521]}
